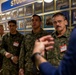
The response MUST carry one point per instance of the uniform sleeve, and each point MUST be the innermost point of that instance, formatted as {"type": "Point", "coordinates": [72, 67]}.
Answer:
{"type": "Point", "coordinates": [67, 65]}
{"type": "Point", "coordinates": [22, 55]}
{"type": "Point", "coordinates": [3, 45]}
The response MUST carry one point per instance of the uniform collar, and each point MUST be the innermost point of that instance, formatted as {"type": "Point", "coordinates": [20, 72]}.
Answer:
{"type": "Point", "coordinates": [9, 34]}
{"type": "Point", "coordinates": [41, 30]}
{"type": "Point", "coordinates": [64, 35]}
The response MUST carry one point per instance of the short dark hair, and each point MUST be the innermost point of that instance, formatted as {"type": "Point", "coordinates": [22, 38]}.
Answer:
{"type": "Point", "coordinates": [59, 13]}
{"type": "Point", "coordinates": [12, 21]}
{"type": "Point", "coordinates": [37, 16]}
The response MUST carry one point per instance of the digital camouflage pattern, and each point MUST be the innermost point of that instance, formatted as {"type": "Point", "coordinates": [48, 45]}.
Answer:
{"type": "Point", "coordinates": [55, 56]}
{"type": "Point", "coordinates": [27, 47]}
{"type": "Point", "coordinates": [9, 68]}
{"type": "Point", "coordinates": [1, 57]}
{"type": "Point", "coordinates": [0, 54]}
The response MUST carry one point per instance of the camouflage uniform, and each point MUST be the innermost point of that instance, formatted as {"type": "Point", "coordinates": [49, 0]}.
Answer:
{"type": "Point", "coordinates": [9, 68]}
{"type": "Point", "coordinates": [55, 56]}
{"type": "Point", "coordinates": [27, 47]}
{"type": "Point", "coordinates": [1, 57]}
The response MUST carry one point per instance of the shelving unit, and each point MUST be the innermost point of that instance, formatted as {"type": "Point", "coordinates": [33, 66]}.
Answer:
{"type": "Point", "coordinates": [24, 12]}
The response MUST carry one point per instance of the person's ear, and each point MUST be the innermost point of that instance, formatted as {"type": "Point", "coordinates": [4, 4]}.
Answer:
{"type": "Point", "coordinates": [66, 22]}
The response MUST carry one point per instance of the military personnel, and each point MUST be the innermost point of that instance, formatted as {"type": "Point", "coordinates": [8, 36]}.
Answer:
{"type": "Point", "coordinates": [61, 37]}
{"type": "Point", "coordinates": [28, 45]}
{"type": "Point", "coordinates": [1, 35]}
{"type": "Point", "coordinates": [10, 50]}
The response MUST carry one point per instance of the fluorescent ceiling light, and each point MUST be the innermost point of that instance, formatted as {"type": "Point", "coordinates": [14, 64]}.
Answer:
{"type": "Point", "coordinates": [48, 1]}
{"type": "Point", "coordinates": [39, 1]}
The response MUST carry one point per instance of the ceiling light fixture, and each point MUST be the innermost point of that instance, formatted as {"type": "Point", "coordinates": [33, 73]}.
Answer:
{"type": "Point", "coordinates": [48, 1]}
{"type": "Point", "coordinates": [39, 1]}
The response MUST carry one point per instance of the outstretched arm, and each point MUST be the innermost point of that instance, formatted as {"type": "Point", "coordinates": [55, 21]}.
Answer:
{"type": "Point", "coordinates": [67, 65]}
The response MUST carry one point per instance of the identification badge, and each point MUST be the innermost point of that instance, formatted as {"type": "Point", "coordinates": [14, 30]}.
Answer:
{"type": "Point", "coordinates": [16, 44]}
{"type": "Point", "coordinates": [63, 48]}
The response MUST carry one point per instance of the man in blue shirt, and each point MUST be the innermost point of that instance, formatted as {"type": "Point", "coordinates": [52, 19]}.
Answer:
{"type": "Point", "coordinates": [67, 65]}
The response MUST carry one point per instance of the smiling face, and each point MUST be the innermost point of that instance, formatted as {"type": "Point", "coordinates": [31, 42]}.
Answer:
{"type": "Point", "coordinates": [59, 23]}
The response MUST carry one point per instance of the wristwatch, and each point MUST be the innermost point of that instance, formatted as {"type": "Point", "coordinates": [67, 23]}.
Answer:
{"type": "Point", "coordinates": [35, 56]}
